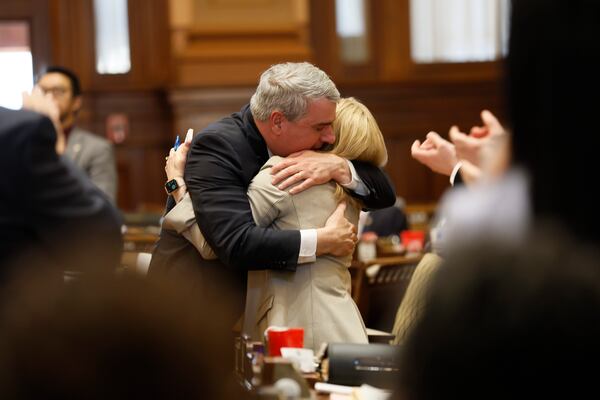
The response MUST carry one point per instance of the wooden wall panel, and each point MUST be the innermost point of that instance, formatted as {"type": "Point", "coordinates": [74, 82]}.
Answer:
{"type": "Point", "coordinates": [139, 94]}
{"type": "Point", "coordinates": [149, 27]}
{"type": "Point", "coordinates": [230, 42]}
{"type": "Point", "coordinates": [36, 13]}
{"type": "Point", "coordinates": [72, 30]}
{"type": "Point", "coordinates": [196, 108]}
{"type": "Point", "coordinates": [141, 157]}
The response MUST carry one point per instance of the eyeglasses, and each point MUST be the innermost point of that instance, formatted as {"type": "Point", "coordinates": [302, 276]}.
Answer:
{"type": "Point", "coordinates": [57, 91]}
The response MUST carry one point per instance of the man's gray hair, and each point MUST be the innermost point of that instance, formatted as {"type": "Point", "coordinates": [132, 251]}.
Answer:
{"type": "Point", "coordinates": [289, 88]}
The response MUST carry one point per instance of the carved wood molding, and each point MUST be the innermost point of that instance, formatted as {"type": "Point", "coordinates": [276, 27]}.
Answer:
{"type": "Point", "coordinates": [225, 42]}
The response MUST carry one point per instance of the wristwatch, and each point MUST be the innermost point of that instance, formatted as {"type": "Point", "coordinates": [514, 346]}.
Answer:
{"type": "Point", "coordinates": [174, 184]}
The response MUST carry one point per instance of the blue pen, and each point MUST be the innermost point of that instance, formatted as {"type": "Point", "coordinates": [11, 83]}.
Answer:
{"type": "Point", "coordinates": [176, 145]}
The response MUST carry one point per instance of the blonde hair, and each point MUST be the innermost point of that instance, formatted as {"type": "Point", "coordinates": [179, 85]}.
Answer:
{"type": "Point", "coordinates": [357, 136]}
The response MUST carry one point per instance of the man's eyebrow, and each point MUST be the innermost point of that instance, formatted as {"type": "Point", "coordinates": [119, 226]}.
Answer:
{"type": "Point", "coordinates": [319, 124]}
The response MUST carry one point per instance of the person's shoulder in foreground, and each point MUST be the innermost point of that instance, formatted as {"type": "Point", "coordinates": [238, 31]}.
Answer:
{"type": "Point", "coordinates": [51, 214]}
{"type": "Point", "coordinates": [523, 320]}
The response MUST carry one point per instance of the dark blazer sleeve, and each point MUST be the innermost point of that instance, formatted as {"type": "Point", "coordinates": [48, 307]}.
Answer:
{"type": "Point", "coordinates": [218, 182]}
{"type": "Point", "coordinates": [381, 190]}
{"type": "Point", "coordinates": [458, 180]}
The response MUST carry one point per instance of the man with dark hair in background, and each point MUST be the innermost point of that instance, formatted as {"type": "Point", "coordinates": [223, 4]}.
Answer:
{"type": "Point", "coordinates": [92, 153]}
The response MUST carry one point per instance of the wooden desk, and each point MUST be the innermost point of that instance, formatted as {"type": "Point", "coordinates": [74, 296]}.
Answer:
{"type": "Point", "coordinates": [396, 260]}
{"type": "Point", "coordinates": [140, 239]}
{"type": "Point", "coordinates": [378, 297]}
{"type": "Point", "coordinates": [358, 270]}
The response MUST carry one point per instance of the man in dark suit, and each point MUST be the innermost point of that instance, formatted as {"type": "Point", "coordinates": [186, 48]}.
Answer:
{"type": "Point", "coordinates": [291, 111]}
{"type": "Point", "coordinates": [51, 216]}
{"type": "Point", "coordinates": [387, 221]}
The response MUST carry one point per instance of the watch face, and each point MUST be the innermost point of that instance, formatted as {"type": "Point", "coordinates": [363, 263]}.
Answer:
{"type": "Point", "coordinates": [171, 185]}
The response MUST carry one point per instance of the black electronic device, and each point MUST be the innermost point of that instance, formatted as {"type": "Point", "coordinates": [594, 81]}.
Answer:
{"type": "Point", "coordinates": [353, 364]}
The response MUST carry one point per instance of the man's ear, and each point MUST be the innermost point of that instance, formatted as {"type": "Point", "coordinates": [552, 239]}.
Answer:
{"type": "Point", "coordinates": [76, 104]}
{"type": "Point", "coordinates": [276, 119]}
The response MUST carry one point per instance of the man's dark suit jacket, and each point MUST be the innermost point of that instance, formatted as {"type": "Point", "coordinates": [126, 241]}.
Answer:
{"type": "Point", "coordinates": [222, 161]}
{"type": "Point", "coordinates": [50, 214]}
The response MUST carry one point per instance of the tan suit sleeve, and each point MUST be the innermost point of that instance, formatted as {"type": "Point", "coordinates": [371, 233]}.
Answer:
{"type": "Point", "coordinates": [181, 219]}
{"type": "Point", "coordinates": [266, 200]}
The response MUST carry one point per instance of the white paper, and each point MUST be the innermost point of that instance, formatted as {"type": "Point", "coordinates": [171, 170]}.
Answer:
{"type": "Point", "coordinates": [303, 358]}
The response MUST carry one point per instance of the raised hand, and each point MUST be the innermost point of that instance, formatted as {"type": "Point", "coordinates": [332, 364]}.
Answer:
{"type": "Point", "coordinates": [44, 104]}
{"type": "Point", "coordinates": [175, 164]}
{"type": "Point", "coordinates": [469, 147]}
{"type": "Point", "coordinates": [436, 153]}
{"type": "Point", "coordinates": [491, 126]}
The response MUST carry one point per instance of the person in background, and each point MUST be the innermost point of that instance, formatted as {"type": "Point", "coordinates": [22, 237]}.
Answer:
{"type": "Point", "coordinates": [463, 158]}
{"type": "Point", "coordinates": [508, 323]}
{"type": "Point", "coordinates": [479, 168]}
{"type": "Point", "coordinates": [92, 153]}
{"type": "Point", "coordinates": [386, 221]}
{"type": "Point", "coordinates": [51, 216]}
{"type": "Point", "coordinates": [518, 315]}
{"type": "Point", "coordinates": [552, 66]}
{"type": "Point", "coordinates": [544, 178]}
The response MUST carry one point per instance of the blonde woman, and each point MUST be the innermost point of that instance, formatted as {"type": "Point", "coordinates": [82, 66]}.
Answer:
{"type": "Point", "coordinates": [316, 296]}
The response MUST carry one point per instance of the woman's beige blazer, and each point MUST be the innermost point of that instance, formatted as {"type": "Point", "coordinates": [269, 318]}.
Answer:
{"type": "Point", "coordinates": [317, 296]}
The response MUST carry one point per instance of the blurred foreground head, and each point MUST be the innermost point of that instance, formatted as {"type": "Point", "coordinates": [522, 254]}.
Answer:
{"type": "Point", "coordinates": [504, 324]}
{"type": "Point", "coordinates": [100, 338]}
{"type": "Point", "coordinates": [553, 69]}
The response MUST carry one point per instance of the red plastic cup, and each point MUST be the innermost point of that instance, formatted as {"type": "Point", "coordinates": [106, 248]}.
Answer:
{"type": "Point", "coordinates": [413, 240]}
{"type": "Point", "coordinates": [284, 337]}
